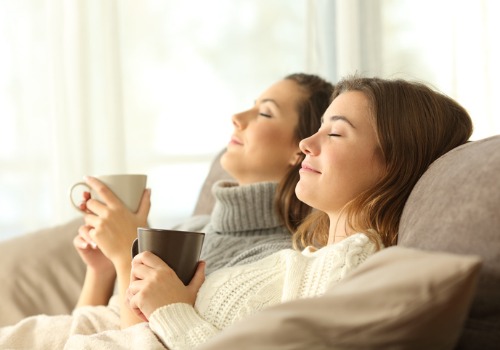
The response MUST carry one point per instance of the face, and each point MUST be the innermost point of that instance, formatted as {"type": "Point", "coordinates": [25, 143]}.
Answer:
{"type": "Point", "coordinates": [343, 158]}
{"type": "Point", "coordinates": [262, 147]}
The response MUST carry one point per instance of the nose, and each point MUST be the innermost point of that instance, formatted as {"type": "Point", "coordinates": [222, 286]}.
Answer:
{"type": "Point", "coordinates": [240, 120]}
{"type": "Point", "coordinates": [306, 145]}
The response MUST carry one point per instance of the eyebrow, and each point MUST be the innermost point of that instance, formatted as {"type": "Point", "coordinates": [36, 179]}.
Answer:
{"type": "Point", "coordinates": [268, 100]}
{"type": "Point", "coordinates": [334, 118]}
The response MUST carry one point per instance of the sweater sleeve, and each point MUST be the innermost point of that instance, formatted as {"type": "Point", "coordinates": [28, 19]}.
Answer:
{"type": "Point", "coordinates": [179, 326]}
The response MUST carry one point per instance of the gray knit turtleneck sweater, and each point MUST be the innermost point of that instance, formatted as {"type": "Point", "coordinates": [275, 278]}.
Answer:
{"type": "Point", "coordinates": [243, 226]}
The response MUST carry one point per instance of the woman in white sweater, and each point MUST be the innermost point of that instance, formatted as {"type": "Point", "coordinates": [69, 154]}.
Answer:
{"type": "Point", "coordinates": [376, 139]}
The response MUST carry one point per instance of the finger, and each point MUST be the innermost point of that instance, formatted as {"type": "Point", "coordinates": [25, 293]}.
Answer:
{"type": "Point", "coordinates": [86, 196]}
{"type": "Point", "coordinates": [103, 191]}
{"type": "Point", "coordinates": [199, 277]}
{"type": "Point", "coordinates": [150, 260]}
{"type": "Point", "coordinates": [134, 288]}
{"type": "Point", "coordinates": [84, 233]}
{"type": "Point", "coordinates": [145, 204]}
{"type": "Point", "coordinates": [142, 316]}
{"type": "Point", "coordinates": [139, 313]}
{"type": "Point", "coordinates": [80, 243]}
{"type": "Point", "coordinates": [92, 235]}
{"type": "Point", "coordinates": [139, 271]}
{"type": "Point", "coordinates": [83, 206]}
{"type": "Point", "coordinates": [93, 206]}
{"type": "Point", "coordinates": [132, 302]}
{"type": "Point", "coordinates": [131, 291]}
{"type": "Point", "coordinates": [83, 203]}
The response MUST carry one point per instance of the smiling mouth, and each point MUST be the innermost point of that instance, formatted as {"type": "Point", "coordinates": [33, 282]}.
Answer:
{"type": "Point", "coordinates": [235, 141]}
{"type": "Point", "coordinates": [307, 168]}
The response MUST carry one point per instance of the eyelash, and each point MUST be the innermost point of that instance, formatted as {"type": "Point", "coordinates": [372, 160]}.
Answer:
{"type": "Point", "coordinates": [336, 135]}
{"type": "Point", "coordinates": [265, 115]}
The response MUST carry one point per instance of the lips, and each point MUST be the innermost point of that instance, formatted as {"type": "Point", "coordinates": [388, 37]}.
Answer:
{"type": "Point", "coordinates": [308, 168]}
{"type": "Point", "coordinates": [235, 141]}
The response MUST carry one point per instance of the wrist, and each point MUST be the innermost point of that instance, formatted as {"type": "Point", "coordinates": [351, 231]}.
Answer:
{"type": "Point", "coordinates": [102, 275]}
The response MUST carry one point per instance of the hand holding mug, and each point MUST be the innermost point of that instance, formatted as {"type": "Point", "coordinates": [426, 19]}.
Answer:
{"type": "Point", "coordinates": [154, 284]}
{"type": "Point", "coordinates": [127, 187]}
{"type": "Point", "coordinates": [110, 223]}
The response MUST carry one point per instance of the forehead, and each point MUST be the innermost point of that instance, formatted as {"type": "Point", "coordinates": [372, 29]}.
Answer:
{"type": "Point", "coordinates": [353, 105]}
{"type": "Point", "coordinates": [285, 92]}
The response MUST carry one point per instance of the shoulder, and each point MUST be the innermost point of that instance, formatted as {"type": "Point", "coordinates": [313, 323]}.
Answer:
{"type": "Point", "coordinates": [349, 252]}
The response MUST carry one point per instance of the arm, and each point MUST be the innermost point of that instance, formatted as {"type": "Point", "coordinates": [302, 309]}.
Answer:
{"type": "Point", "coordinates": [97, 289]}
{"type": "Point", "coordinates": [113, 228]}
{"type": "Point", "coordinates": [100, 274]}
{"type": "Point", "coordinates": [179, 326]}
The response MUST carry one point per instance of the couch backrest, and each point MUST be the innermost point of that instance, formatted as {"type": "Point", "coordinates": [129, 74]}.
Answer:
{"type": "Point", "coordinates": [455, 207]}
{"type": "Point", "coordinates": [206, 200]}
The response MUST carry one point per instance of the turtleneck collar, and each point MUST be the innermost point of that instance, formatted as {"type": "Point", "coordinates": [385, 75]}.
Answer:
{"type": "Point", "coordinates": [244, 208]}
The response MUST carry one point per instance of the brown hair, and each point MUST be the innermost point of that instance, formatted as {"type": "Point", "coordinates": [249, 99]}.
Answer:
{"type": "Point", "coordinates": [315, 101]}
{"type": "Point", "coordinates": [415, 126]}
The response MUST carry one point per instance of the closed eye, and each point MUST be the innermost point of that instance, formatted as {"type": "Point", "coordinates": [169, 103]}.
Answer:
{"type": "Point", "coordinates": [336, 135]}
{"type": "Point", "coordinates": [265, 115]}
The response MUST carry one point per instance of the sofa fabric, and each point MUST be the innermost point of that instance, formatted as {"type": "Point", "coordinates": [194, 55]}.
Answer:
{"type": "Point", "coordinates": [41, 273]}
{"type": "Point", "coordinates": [455, 207]}
{"type": "Point", "coordinates": [399, 298]}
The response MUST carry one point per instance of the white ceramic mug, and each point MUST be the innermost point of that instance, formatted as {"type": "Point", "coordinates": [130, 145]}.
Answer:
{"type": "Point", "coordinates": [127, 187]}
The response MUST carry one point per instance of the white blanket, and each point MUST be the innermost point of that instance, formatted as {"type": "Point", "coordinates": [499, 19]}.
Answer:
{"type": "Point", "coordinates": [139, 336]}
{"type": "Point", "coordinates": [86, 328]}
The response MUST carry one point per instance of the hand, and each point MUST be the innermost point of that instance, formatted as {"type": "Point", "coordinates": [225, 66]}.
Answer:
{"type": "Point", "coordinates": [154, 284]}
{"type": "Point", "coordinates": [111, 225]}
{"type": "Point", "coordinates": [91, 255]}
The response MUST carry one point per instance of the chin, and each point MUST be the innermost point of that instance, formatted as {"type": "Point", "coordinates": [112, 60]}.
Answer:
{"type": "Point", "coordinates": [299, 192]}
{"type": "Point", "coordinates": [305, 195]}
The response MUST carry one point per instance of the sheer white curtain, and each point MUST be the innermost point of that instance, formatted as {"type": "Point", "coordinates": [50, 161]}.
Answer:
{"type": "Point", "coordinates": [104, 86]}
{"type": "Point", "coordinates": [62, 105]}
{"type": "Point", "coordinates": [451, 45]}
{"type": "Point", "coordinates": [86, 100]}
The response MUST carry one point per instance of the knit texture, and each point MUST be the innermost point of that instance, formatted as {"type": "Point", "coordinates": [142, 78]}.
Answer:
{"type": "Point", "coordinates": [231, 294]}
{"type": "Point", "coordinates": [244, 226]}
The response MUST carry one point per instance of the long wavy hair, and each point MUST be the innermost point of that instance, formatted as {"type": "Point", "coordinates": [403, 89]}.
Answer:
{"type": "Point", "coordinates": [317, 93]}
{"type": "Point", "coordinates": [415, 125]}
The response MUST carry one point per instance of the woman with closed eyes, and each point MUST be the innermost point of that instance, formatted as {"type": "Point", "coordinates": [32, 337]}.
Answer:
{"type": "Point", "coordinates": [376, 139]}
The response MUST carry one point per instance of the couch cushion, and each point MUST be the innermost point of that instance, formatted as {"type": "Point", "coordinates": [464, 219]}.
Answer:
{"type": "Point", "coordinates": [206, 200]}
{"type": "Point", "coordinates": [41, 273]}
{"type": "Point", "coordinates": [455, 207]}
{"type": "Point", "coordinates": [399, 298]}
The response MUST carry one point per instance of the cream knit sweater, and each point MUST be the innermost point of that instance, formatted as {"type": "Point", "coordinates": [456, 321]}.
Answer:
{"type": "Point", "coordinates": [233, 293]}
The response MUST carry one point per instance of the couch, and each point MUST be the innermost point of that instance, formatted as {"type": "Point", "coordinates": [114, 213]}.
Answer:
{"type": "Point", "coordinates": [438, 288]}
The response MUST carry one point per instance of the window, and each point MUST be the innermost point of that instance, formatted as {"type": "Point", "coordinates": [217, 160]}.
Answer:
{"type": "Point", "coordinates": [94, 87]}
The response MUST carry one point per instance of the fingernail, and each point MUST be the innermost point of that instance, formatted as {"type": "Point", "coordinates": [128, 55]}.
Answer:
{"type": "Point", "coordinates": [94, 245]}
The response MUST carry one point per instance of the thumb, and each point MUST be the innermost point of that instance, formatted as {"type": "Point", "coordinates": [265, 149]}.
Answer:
{"type": "Point", "coordinates": [145, 204]}
{"type": "Point", "coordinates": [199, 276]}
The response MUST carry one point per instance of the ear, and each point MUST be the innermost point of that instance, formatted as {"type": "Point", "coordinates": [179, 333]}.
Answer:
{"type": "Point", "coordinates": [296, 157]}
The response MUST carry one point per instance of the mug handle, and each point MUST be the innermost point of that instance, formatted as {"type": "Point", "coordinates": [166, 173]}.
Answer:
{"type": "Point", "coordinates": [77, 206]}
{"type": "Point", "coordinates": [135, 247]}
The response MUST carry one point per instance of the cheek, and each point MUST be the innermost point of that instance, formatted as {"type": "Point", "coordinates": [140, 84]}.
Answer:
{"type": "Point", "coordinates": [275, 141]}
{"type": "Point", "coordinates": [366, 172]}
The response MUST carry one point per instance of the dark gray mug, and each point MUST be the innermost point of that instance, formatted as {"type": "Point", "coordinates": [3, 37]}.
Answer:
{"type": "Point", "coordinates": [179, 249]}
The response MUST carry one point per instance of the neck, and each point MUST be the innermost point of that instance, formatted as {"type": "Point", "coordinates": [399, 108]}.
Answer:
{"type": "Point", "coordinates": [337, 230]}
